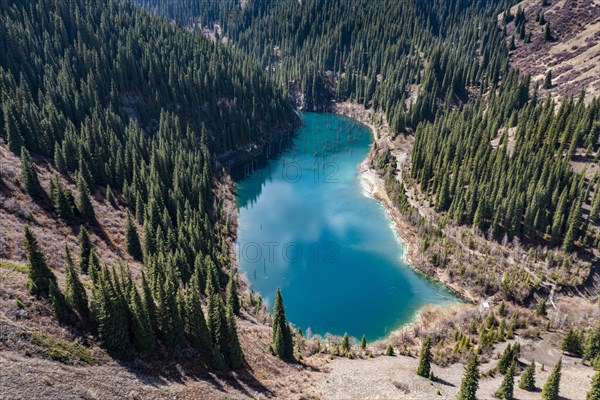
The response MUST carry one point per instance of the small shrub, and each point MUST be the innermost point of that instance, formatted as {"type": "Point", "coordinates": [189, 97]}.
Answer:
{"type": "Point", "coordinates": [19, 303]}
{"type": "Point", "coordinates": [389, 351]}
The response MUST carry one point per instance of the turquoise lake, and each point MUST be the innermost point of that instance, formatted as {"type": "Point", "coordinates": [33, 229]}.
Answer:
{"type": "Point", "coordinates": [306, 226]}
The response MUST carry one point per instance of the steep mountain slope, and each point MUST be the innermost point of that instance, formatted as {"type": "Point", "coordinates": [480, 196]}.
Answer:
{"type": "Point", "coordinates": [127, 117]}
{"type": "Point", "coordinates": [573, 52]}
{"type": "Point", "coordinates": [117, 116]}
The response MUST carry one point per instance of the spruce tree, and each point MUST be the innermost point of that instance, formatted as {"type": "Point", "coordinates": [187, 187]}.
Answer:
{"type": "Point", "coordinates": [345, 345]}
{"type": "Point", "coordinates": [389, 350]}
{"type": "Point", "coordinates": [548, 33]}
{"type": "Point", "coordinates": [506, 359]}
{"type": "Point", "coordinates": [84, 202]}
{"type": "Point", "coordinates": [282, 342]}
{"type": "Point", "coordinates": [506, 390]}
{"type": "Point", "coordinates": [13, 136]}
{"type": "Point", "coordinates": [552, 386]}
{"type": "Point", "coordinates": [363, 342]}
{"type": "Point", "coordinates": [110, 197]}
{"type": "Point", "coordinates": [233, 299]}
{"type": "Point", "coordinates": [29, 176]}
{"type": "Point", "coordinates": [59, 305]}
{"type": "Point", "coordinates": [85, 249]}
{"type": "Point", "coordinates": [527, 381]}
{"type": "Point", "coordinates": [541, 309]}
{"type": "Point", "coordinates": [93, 267]}
{"type": "Point", "coordinates": [424, 368]}
{"type": "Point", "coordinates": [61, 199]}
{"type": "Point", "coordinates": [548, 80]}
{"type": "Point", "coordinates": [59, 160]}
{"type": "Point", "coordinates": [218, 330]}
{"type": "Point", "coordinates": [150, 306]}
{"type": "Point", "coordinates": [235, 357]}
{"type": "Point", "coordinates": [572, 343]}
{"type": "Point", "coordinates": [142, 336]}
{"type": "Point", "coordinates": [74, 291]}
{"type": "Point", "coordinates": [591, 349]}
{"type": "Point", "coordinates": [132, 240]}
{"type": "Point", "coordinates": [594, 393]}
{"type": "Point", "coordinates": [111, 317]}
{"type": "Point", "coordinates": [196, 331]}
{"type": "Point", "coordinates": [502, 308]}
{"type": "Point", "coordinates": [39, 275]}
{"type": "Point", "coordinates": [171, 323]}
{"type": "Point", "coordinates": [470, 381]}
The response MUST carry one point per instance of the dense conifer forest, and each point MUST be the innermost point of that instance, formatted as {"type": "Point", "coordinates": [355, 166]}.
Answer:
{"type": "Point", "coordinates": [138, 105]}
{"type": "Point", "coordinates": [369, 52]}
{"type": "Point", "coordinates": [438, 70]}
{"type": "Point", "coordinates": [121, 99]}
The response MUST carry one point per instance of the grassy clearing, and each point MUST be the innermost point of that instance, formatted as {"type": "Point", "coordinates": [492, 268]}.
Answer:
{"type": "Point", "coordinates": [19, 267]}
{"type": "Point", "coordinates": [61, 350]}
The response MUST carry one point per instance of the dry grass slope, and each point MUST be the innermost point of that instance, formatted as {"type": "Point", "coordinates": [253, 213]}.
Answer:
{"type": "Point", "coordinates": [574, 54]}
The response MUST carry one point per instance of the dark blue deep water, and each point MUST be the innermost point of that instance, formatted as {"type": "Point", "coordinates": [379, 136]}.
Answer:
{"type": "Point", "coordinates": [306, 226]}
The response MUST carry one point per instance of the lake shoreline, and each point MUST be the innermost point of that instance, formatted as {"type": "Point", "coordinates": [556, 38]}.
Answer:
{"type": "Point", "coordinates": [374, 186]}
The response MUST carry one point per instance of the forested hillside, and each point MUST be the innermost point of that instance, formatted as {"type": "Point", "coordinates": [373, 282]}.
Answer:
{"type": "Point", "coordinates": [117, 220]}
{"type": "Point", "coordinates": [132, 109]}
{"type": "Point", "coordinates": [406, 58]}
{"type": "Point", "coordinates": [444, 63]}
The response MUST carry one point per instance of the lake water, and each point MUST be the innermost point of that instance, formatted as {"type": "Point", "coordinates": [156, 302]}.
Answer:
{"type": "Point", "coordinates": [306, 226]}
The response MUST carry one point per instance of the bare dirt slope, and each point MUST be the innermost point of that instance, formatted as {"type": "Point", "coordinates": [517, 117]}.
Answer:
{"type": "Point", "coordinates": [394, 377]}
{"type": "Point", "coordinates": [573, 55]}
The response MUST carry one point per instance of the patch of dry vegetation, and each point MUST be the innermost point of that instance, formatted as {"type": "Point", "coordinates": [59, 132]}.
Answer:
{"type": "Point", "coordinates": [17, 210]}
{"type": "Point", "coordinates": [573, 55]}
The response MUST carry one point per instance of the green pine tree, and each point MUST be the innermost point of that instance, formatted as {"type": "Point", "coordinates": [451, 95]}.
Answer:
{"type": "Point", "coordinates": [233, 299]}
{"type": "Point", "coordinates": [11, 126]}
{"type": "Point", "coordinates": [59, 160]}
{"type": "Point", "coordinates": [527, 381]}
{"type": "Point", "coordinates": [196, 331]}
{"type": "Point", "coordinates": [548, 80]}
{"type": "Point", "coordinates": [218, 331]}
{"type": "Point", "coordinates": [84, 202]}
{"type": "Point", "coordinates": [572, 343]}
{"type": "Point", "coordinates": [506, 359]}
{"type": "Point", "coordinates": [39, 276]}
{"type": "Point", "coordinates": [424, 368]}
{"type": "Point", "coordinates": [541, 309]}
{"type": "Point", "coordinates": [74, 291]}
{"type": "Point", "coordinates": [506, 390]}
{"type": "Point", "coordinates": [389, 350]}
{"type": "Point", "coordinates": [470, 381]}
{"type": "Point", "coordinates": [59, 305]}
{"type": "Point", "coordinates": [502, 308]}
{"type": "Point", "coordinates": [132, 240]}
{"type": "Point", "coordinates": [363, 342]}
{"type": "Point", "coordinates": [61, 199]}
{"type": "Point", "coordinates": [110, 315]}
{"type": "Point", "coordinates": [29, 176]}
{"type": "Point", "coordinates": [235, 357]}
{"type": "Point", "coordinates": [171, 323]}
{"type": "Point", "coordinates": [552, 386]}
{"type": "Point", "coordinates": [150, 306]}
{"type": "Point", "coordinates": [345, 345]}
{"type": "Point", "coordinates": [85, 249]}
{"type": "Point", "coordinates": [594, 393]}
{"type": "Point", "coordinates": [548, 33]}
{"type": "Point", "coordinates": [282, 342]}
{"type": "Point", "coordinates": [142, 333]}
{"type": "Point", "coordinates": [110, 197]}
{"type": "Point", "coordinates": [591, 348]}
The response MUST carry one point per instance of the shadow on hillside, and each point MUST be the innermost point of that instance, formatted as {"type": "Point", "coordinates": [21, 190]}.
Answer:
{"type": "Point", "coordinates": [439, 380]}
{"type": "Point", "coordinates": [187, 371]}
